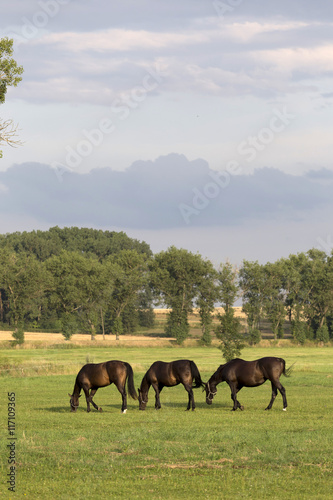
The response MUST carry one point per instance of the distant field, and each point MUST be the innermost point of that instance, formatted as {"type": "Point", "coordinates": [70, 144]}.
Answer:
{"type": "Point", "coordinates": [143, 337]}
{"type": "Point", "coordinates": [167, 454]}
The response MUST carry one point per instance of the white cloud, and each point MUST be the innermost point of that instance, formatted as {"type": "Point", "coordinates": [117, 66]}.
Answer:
{"type": "Point", "coordinates": [120, 40]}
{"type": "Point", "coordinates": [314, 61]}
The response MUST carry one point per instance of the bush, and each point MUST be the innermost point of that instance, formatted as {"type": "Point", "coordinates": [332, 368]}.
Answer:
{"type": "Point", "coordinates": [129, 320]}
{"type": "Point", "coordinates": [254, 336]}
{"type": "Point", "coordinates": [322, 334]}
{"type": "Point", "coordinates": [18, 335]}
{"type": "Point", "coordinates": [206, 338]}
{"type": "Point", "coordinates": [230, 335]}
{"type": "Point", "coordinates": [177, 326]}
{"type": "Point", "coordinates": [300, 331]}
{"type": "Point", "coordinates": [117, 327]}
{"type": "Point", "coordinates": [147, 318]}
{"type": "Point", "coordinates": [69, 327]}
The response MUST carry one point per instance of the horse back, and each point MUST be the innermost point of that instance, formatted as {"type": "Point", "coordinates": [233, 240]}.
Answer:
{"type": "Point", "coordinates": [272, 367]}
{"type": "Point", "coordinates": [117, 371]}
{"type": "Point", "coordinates": [241, 372]}
{"type": "Point", "coordinates": [169, 374]}
{"type": "Point", "coordinates": [101, 374]}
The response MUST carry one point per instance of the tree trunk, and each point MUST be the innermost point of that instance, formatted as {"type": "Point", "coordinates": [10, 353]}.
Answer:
{"type": "Point", "coordinates": [102, 321]}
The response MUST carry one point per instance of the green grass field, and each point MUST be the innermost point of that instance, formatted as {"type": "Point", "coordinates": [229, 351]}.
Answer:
{"type": "Point", "coordinates": [170, 453]}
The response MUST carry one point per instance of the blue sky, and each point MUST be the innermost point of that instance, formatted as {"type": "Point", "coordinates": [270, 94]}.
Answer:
{"type": "Point", "coordinates": [201, 124]}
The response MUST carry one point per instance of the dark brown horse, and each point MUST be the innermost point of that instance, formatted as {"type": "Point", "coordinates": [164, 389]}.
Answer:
{"type": "Point", "coordinates": [239, 373]}
{"type": "Point", "coordinates": [93, 376]}
{"type": "Point", "coordinates": [162, 374]}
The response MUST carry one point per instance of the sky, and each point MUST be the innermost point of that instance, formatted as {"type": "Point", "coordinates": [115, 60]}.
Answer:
{"type": "Point", "coordinates": [204, 124]}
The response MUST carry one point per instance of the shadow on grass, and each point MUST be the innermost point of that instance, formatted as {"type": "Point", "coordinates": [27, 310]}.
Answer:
{"type": "Point", "coordinates": [83, 408]}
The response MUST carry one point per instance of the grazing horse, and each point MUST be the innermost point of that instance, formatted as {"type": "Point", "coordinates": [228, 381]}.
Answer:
{"type": "Point", "coordinates": [93, 376]}
{"type": "Point", "coordinates": [239, 373]}
{"type": "Point", "coordinates": [162, 374]}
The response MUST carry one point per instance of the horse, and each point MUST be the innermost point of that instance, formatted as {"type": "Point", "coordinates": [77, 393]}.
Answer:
{"type": "Point", "coordinates": [93, 376]}
{"type": "Point", "coordinates": [162, 374]}
{"type": "Point", "coordinates": [239, 373]}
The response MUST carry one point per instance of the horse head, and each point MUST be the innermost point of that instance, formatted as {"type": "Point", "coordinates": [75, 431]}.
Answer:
{"type": "Point", "coordinates": [143, 399]}
{"type": "Point", "coordinates": [74, 402]}
{"type": "Point", "coordinates": [211, 391]}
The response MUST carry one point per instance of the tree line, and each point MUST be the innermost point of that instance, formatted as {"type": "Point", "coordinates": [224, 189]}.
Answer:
{"type": "Point", "coordinates": [93, 281]}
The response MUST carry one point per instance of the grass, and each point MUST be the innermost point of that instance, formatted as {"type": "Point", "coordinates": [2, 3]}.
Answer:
{"type": "Point", "coordinates": [169, 453]}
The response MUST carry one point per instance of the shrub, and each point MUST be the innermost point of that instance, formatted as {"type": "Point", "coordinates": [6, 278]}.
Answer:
{"type": "Point", "coordinates": [254, 336]}
{"type": "Point", "coordinates": [69, 327]}
{"type": "Point", "coordinates": [206, 338]}
{"type": "Point", "coordinates": [177, 326]}
{"type": "Point", "coordinates": [322, 334]}
{"type": "Point", "coordinates": [230, 335]}
{"type": "Point", "coordinates": [117, 327]}
{"type": "Point", "coordinates": [300, 331]}
{"type": "Point", "coordinates": [18, 335]}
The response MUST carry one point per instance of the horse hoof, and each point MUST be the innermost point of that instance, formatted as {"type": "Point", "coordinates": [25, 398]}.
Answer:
{"type": "Point", "coordinates": [284, 409]}
{"type": "Point", "coordinates": [124, 411]}
{"type": "Point", "coordinates": [100, 409]}
{"type": "Point", "coordinates": [241, 408]}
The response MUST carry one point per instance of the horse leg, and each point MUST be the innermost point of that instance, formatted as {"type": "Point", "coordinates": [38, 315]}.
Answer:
{"type": "Point", "coordinates": [274, 394]}
{"type": "Point", "coordinates": [124, 401]}
{"type": "Point", "coordinates": [157, 397]}
{"type": "Point", "coordinates": [122, 390]}
{"type": "Point", "coordinates": [86, 393]}
{"type": "Point", "coordinates": [275, 387]}
{"type": "Point", "coordinates": [190, 398]}
{"type": "Point", "coordinates": [234, 390]}
{"type": "Point", "coordinates": [283, 394]}
{"type": "Point", "coordinates": [91, 395]}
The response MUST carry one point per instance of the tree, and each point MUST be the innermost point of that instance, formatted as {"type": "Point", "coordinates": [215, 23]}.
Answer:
{"type": "Point", "coordinates": [274, 296]}
{"type": "Point", "coordinates": [178, 278]}
{"type": "Point", "coordinates": [252, 283]}
{"type": "Point", "coordinates": [320, 302]}
{"type": "Point", "coordinates": [79, 288]}
{"type": "Point", "coordinates": [9, 76]}
{"type": "Point", "coordinates": [308, 281]}
{"type": "Point", "coordinates": [229, 329]}
{"type": "Point", "coordinates": [206, 300]}
{"type": "Point", "coordinates": [128, 271]}
{"type": "Point", "coordinates": [23, 282]}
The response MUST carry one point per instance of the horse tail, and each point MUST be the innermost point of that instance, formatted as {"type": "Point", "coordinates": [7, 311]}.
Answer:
{"type": "Point", "coordinates": [130, 382]}
{"type": "Point", "coordinates": [196, 375]}
{"type": "Point", "coordinates": [287, 371]}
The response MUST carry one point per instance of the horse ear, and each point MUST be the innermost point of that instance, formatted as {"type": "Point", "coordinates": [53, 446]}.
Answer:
{"type": "Point", "coordinates": [70, 395]}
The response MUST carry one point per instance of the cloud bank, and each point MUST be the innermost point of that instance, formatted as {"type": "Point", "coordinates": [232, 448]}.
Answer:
{"type": "Point", "coordinates": [170, 192]}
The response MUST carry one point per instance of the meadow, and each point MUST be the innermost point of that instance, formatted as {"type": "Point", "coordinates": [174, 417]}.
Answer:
{"type": "Point", "coordinates": [170, 454]}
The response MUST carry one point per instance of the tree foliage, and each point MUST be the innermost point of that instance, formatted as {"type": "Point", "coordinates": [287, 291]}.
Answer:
{"type": "Point", "coordinates": [10, 75]}
{"type": "Point", "coordinates": [95, 281]}
{"type": "Point", "coordinates": [179, 279]}
{"type": "Point", "coordinates": [229, 329]}
{"type": "Point", "coordinates": [299, 287]}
